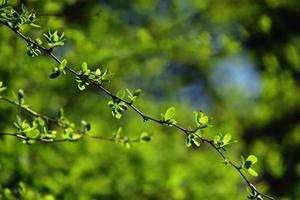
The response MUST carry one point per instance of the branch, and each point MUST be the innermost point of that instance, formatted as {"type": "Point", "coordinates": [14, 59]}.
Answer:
{"type": "Point", "coordinates": [144, 116]}
{"type": "Point", "coordinates": [20, 135]}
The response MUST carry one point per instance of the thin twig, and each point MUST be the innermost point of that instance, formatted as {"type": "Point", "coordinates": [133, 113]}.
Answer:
{"type": "Point", "coordinates": [32, 112]}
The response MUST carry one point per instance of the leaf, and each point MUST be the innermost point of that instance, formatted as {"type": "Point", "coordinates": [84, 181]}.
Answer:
{"type": "Point", "coordinates": [172, 122]}
{"type": "Point", "coordinates": [196, 118]}
{"type": "Point", "coordinates": [204, 120]}
{"type": "Point", "coordinates": [81, 86]}
{"type": "Point", "coordinates": [84, 66]}
{"type": "Point", "coordinates": [98, 72]}
{"type": "Point", "coordinates": [35, 25]}
{"type": "Point", "coordinates": [118, 115]}
{"type": "Point", "coordinates": [20, 94]}
{"type": "Point", "coordinates": [217, 138]}
{"type": "Point", "coordinates": [145, 137]}
{"type": "Point", "coordinates": [188, 142]}
{"type": "Point", "coordinates": [170, 113]}
{"type": "Point", "coordinates": [54, 74]}
{"type": "Point", "coordinates": [227, 138]}
{"type": "Point", "coordinates": [252, 159]}
{"type": "Point", "coordinates": [111, 103]}
{"type": "Point", "coordinates": [196, 142]}
{"type": "Point", "coordinates": [63, 64]}
{"type": "Point", "coordinates": [252, 172]}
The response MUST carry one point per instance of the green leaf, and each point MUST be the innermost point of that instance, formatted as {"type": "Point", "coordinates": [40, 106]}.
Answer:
{"type": "Point", "coordinates": [20, 94]}
{"type": "Point", "coordinates": [217, 139]}
{"type": "Point", "coordinates": [98, 72]}
{"type": "Point", "coordinates": [84, 66]}
{"type": "Point", "coordinates": [204, 120]}
{"type": "Point", "coordinates": [188, 142]}
{"type": "Point", "coordinates": [252, 172]}
{"type": "Point", "coordinates": [252, 159]}
{"type": "Point", "coordinates": [63, 64]}
{"type": "Point", "coordinates": [81, 86]}
{"type": "Point", "coordinates": [118, 115]}
{"type": "Point", "coordinates": [145, 137]}
{"type": "Point", "coordinates": [111, 103]}
{"type": "Point", "coordinates": [197, 142]}
{"type": "Point", "coordinates": [226, 138]}
{"type": "Point", "coordinates": [170, 113]}
{"type": "Point", "coordinates": [54, 74]}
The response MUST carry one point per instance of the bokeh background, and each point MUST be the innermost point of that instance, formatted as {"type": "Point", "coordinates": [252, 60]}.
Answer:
{"type": "Point", "coordinates": [237, 60]}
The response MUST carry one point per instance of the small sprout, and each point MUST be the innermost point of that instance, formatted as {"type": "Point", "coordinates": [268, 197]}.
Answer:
{"type": "Point", "coordinates": [59, 70]}
{"type": "Point", "coordinates": [248, 163]}
{"type": "Point", "coordinates": [62, 66]}
{"type": "Point", "coordinates": [193, 139]}
{"type": "Point", "coordinates": [201, 120]}
{"type": "Point", "coordinates": [84, 67]}
{"type": "Point", "coordinates": [145, 137]}
{"type": "Point", "coordinates": [223, 141]}
{"type": "Point", "coordinates": [98, 72]}
{"type": "Point", "coordinates": [54, 39]}
{"type": "Point", "coordinates": [32, 50]}
{"type": "Point", "coordinates": [134, 96]}
{"type": "Point", "coordinates": [117, 108]}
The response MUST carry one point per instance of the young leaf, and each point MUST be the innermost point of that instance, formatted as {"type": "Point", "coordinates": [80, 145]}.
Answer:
{"type": "Point", "coordinates": [204, 120]}
{"type": "Point", "coordinates": [196, 142]}
{"type": "Point", "coordinates": [54, 74]}
{"type": "Point", "coordinates": [84, 67]}
{"type": "Point", "coordinates": [170, 113]}
{"type": "Point", "coordinates": [145, 137]}
{"type": "Point", "coordinates": [98, 72]}
{"type": "Point", "coordinates": [188, 142]}
{"type": "Point", "coordinates": [252, 159]}
{"type": "Point", "coordinates": [252, 172]}
{"type": "Point", "coordinates": [62, 66]}
{"type": "Point", "coordinates": [226, 138]}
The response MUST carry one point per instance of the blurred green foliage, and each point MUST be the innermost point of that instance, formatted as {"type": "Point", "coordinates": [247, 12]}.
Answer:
{"type": "Point", "coordinates": [237, 60]}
